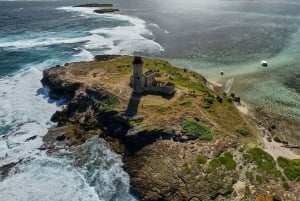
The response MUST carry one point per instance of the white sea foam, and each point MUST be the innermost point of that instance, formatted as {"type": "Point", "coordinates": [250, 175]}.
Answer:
{"type": "Point", "coordinates": [84, 55]}
{"type": "Point", "coordinates": [44, 42]}
{"type": "Point", "coordinates": [124, 39]}
{"type": "Point", "coordinates": [121, 39]}
{"type": "Point", "coordinates": [47, 178]}
{"type": "Point", "coordinates": [80, 10]}
{"type": "Point", "coordinates": [104, 172]}
{"type": "Point", "coordinates": [25, 110]}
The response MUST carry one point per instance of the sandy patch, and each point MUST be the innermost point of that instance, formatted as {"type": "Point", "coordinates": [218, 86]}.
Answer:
{"type": "Point", "coordinates": [276, 149]}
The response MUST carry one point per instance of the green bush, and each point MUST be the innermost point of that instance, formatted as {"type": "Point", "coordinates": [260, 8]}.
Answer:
{"type": "Point", "coordinates": [201, 159]}
{"type": "Point", "coordinates": [187, 168]}
{"type": "Point", "coordinates": [250, 176]}
{"type": "Point", "coordinates": [226, 159]}
{"type": "Point", "coordinates": [242, 131]}
{"type": "Point", "coordinates": [291, 167]}
{"type": "Point", "coordinates": [263, 160]}
{"type": "Point", "coordinates": [259, 179]}
{"type": "Point", "coordinates": [109, 103]}
{"type": "Point", "coordinates": [196, 129]}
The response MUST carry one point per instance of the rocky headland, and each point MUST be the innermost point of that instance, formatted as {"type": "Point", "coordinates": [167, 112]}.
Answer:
{"type": "Point", "coordinates": [194, 145]}
{"type": "Point", "coordinates": [91, 5]}
{"type": "Point", "coordinates": [101, 8]}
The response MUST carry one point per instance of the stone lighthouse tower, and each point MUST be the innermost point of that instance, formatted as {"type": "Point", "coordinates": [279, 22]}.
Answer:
{"type": "Point", "coordinates": [138, 76]}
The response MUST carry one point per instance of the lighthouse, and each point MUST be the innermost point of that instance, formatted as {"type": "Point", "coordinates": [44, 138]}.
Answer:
{"type": "Point", "coordinates": [138, 75]}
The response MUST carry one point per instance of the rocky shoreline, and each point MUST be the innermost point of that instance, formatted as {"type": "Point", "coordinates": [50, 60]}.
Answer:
{"type": "Point", "coordinates": [101, 8]}
{"type": "Point", "coordinates": [162, 161]}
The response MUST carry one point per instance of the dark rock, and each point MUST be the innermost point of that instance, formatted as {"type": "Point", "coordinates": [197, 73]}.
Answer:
{"type": "Point", "coordinates": [95, 5]}
{"type": "Point", "coordinates": [106, 10]}
{"type": "Point", "coordinates": [31, 138]}
{"type": "Point", "coordinates": [5, 169]}
{"type": "Point", "coordinates": [61, 138]}
{"type": "Point", "coordinates": [276, 198]}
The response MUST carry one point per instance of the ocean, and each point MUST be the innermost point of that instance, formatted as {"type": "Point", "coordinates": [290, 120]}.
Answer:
{"type": "Point", "coordinates": [35, 36]}
{"type": "Point", "coordinates": [232, 36]}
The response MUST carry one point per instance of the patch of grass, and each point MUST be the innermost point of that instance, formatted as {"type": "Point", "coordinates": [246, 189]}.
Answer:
{"type": "Point", "coordinates": [243, 131]}
{"type": "Point", "coordinates": [259, 179]}
{"type": "Point", "coordinates": [247, 190]}
{"type": "Point", "coordinates": [201, 159]}
{"type": "Point", "coordinates": [187, 168]}
{"type": "Point", "coordinates": [108, 103]}
{"type": "Point", "coordinates": [291, 167]}
{"type": "Point", "coordinates": [226, 160]}
{"type": "Point", "coordinates": [250, 176]}
{"type": "Point", "coordinates": [196, 129]}
{"type": "Point", "coordinates": [263, 160]}
{"type": "Point", "coordinates": [136, 122]}
{"type": "Point", "coordinates": [162, 110]}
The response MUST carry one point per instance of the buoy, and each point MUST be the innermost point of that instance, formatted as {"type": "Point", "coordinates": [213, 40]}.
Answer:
{"type": "Point", "coordinates": [222, 72]}
{"type": "Point", "coordinates": [264, 63]}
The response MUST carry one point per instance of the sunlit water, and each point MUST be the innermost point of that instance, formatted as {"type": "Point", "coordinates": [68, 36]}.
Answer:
{"type": "Point", "coordinates": [205, 36]}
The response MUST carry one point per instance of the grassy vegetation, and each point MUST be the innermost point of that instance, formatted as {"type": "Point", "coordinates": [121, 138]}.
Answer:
{"type": "Point", "coordinates": [107, 104]}
{"type": "Point", "coordinates": [226, 160]}
{"type": "Point", "coordinates": [181, 77]}
{"type": "Point", "coordinates": [195, 96]}
{"type": "Point", "coordinates": [201, 159]}
{"type": "Point", "coordinates": [243, 131]}
{"type": "Point", "coordinates": [196, 129]}
{"type": "Point", "coordinates": [187, 168]}
{"type": "Point", "coordinates": [263, 161]}
{"type": "Point", "coordinates": [291, 167]}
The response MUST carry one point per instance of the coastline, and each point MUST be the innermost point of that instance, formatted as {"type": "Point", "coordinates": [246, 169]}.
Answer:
{"type": "Point", "coordinates": [149, 149]}
{"type": "Point", "coordinates": [266, 135]}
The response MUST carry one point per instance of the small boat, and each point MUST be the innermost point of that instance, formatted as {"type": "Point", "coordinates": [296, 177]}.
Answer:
{"type": "Point", "coordinates": [264, 63]}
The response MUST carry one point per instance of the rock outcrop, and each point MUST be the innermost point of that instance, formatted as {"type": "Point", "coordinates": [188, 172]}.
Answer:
{"type": "Point", "coordinates": [92, 5]}
{"type": "Point", "coordinates": [106, 10]}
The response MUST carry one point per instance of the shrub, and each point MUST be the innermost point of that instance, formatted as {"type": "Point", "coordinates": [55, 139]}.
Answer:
{"type": "Point", "coordinates": [263, 160]}
{"type": "Point", "coordinates": [196, 129]}
{"type": "Point", "coordinates": [187, 168]}
{"type": "Point", "coordinates": [109, 103]}
{"type": "Point", "coordinates": [291, 168]}
{"type": "Point", "coordinates": [250, 176]}
{"type": "Point", "coordinates": [259, 179]}
{"type": "Point", "coordinates": [201, 159]}
{"type": "Point", "coordinates": [242, 131]}
{"type": "Point", "coordinates": [226, 159]}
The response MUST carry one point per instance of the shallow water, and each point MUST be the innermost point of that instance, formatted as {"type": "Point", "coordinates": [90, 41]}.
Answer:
{"type": "Point", "coordinates": [234, 37]}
